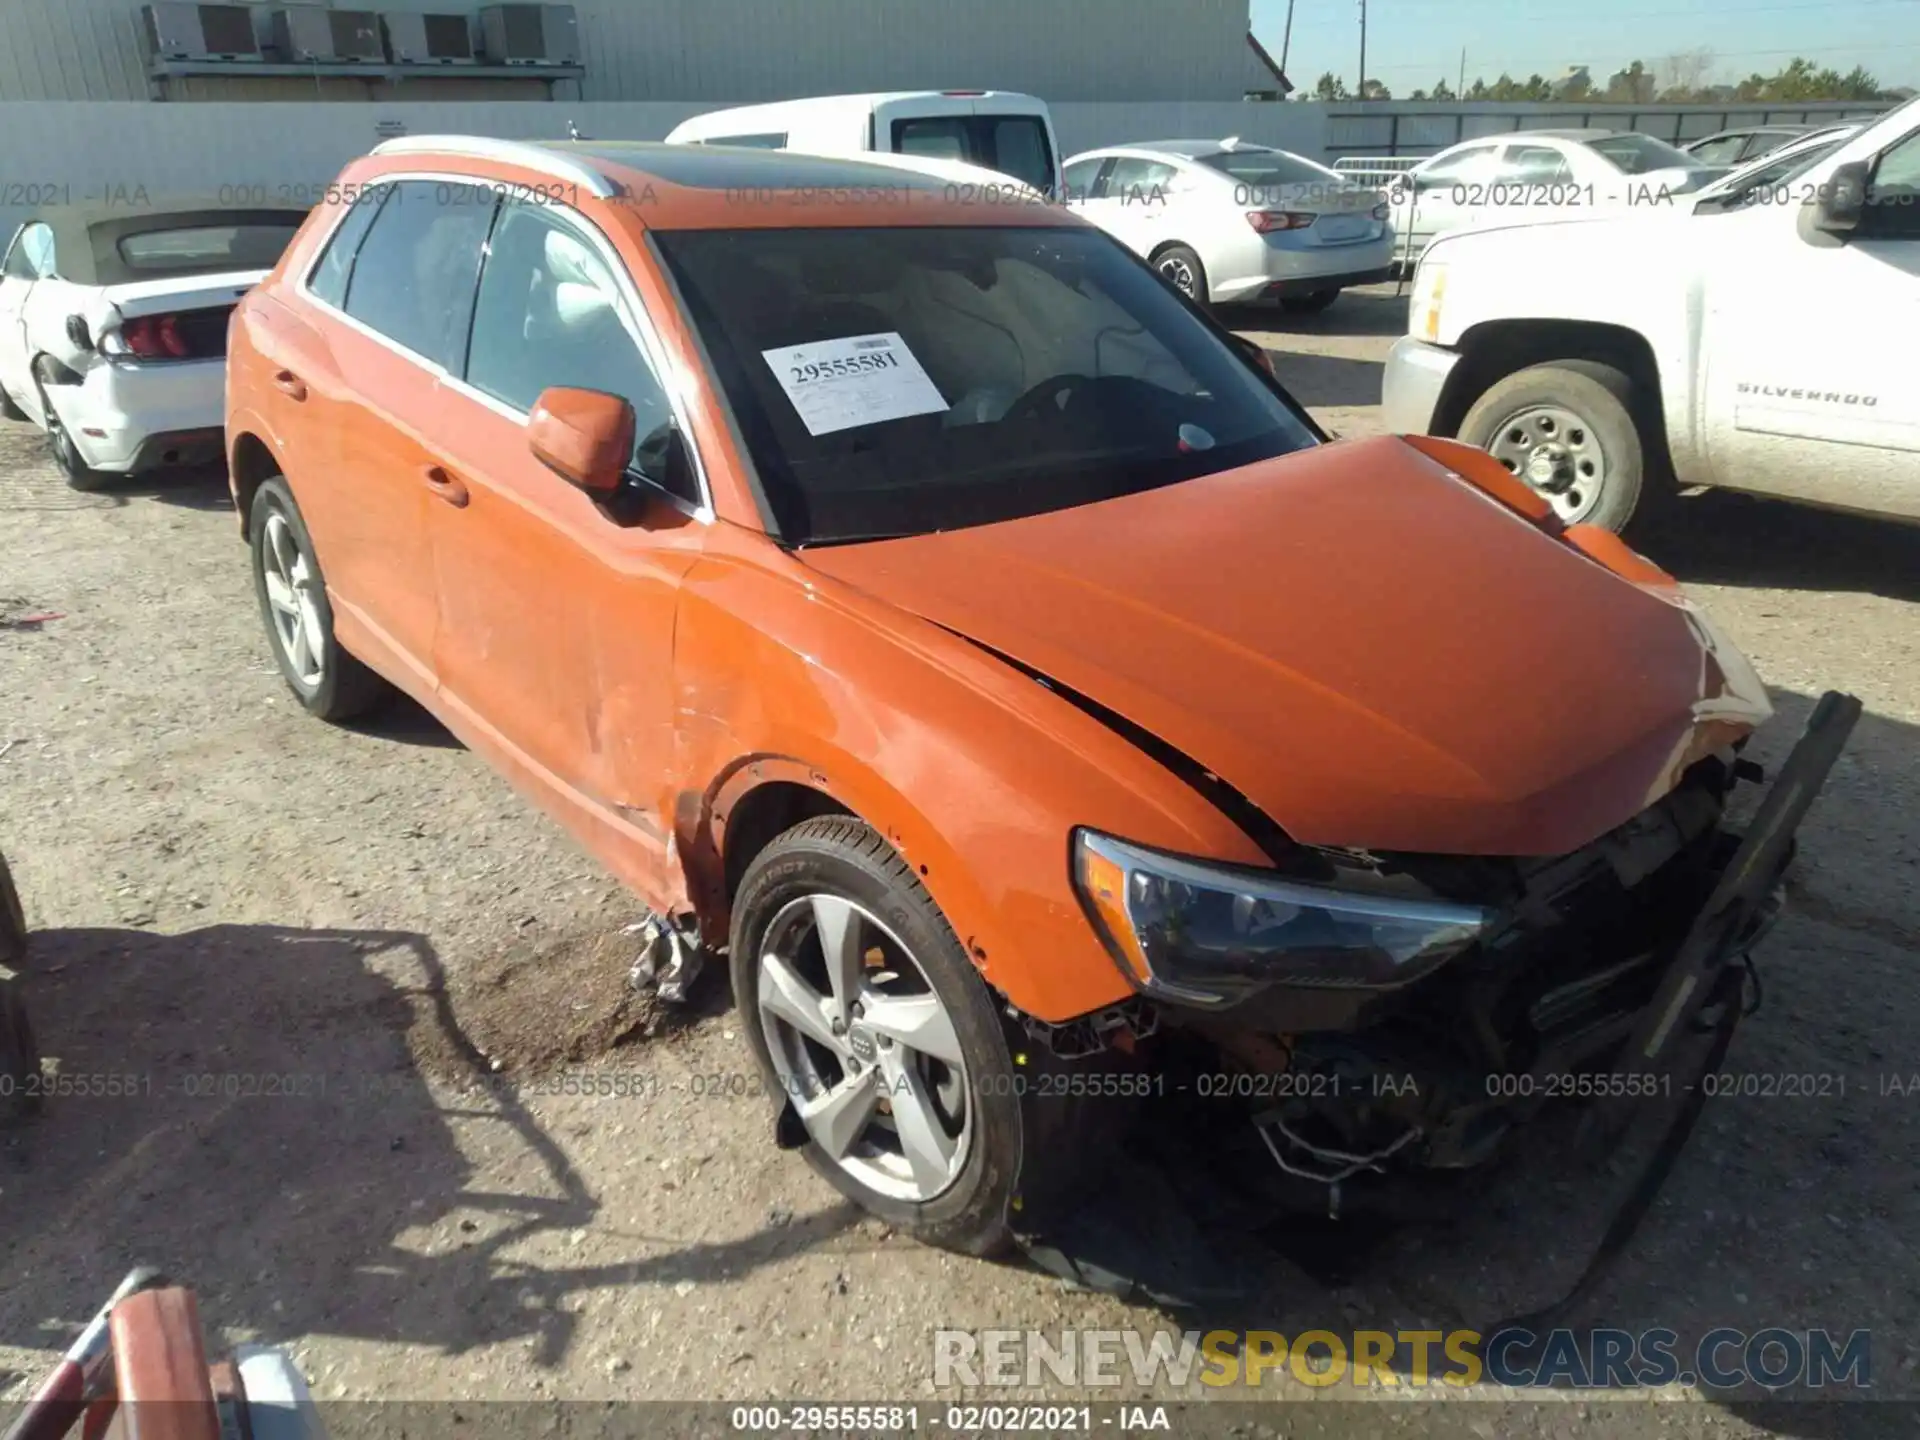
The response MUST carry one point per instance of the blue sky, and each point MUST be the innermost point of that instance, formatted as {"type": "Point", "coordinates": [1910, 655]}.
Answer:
{"type": "Point", "coordinates": [1412, 43]}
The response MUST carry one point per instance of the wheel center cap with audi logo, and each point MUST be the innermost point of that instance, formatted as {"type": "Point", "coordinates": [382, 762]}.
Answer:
{"type": "Point", "coordinates": [860, 1041]}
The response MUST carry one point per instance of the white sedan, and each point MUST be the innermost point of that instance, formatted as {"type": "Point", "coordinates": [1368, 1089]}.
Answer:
{"type": "Point", "coordinates": [1539, 175]}
{"type": "Point", "coordinates": [1228, 222]}
{"type": "Point", "coordinates": [113, 329]}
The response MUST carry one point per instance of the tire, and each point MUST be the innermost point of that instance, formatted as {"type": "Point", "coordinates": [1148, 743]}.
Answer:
{"type": "Point", "coordinates": [80, 476]}
{"type": "Point", "coordinates": [1309, 304]}
{"type": "Point", "coordinates": [1181, 268]}
{"type": "Point", "coordinates": [827, 862]}
{"type": "Point", "coordinates": [1546, 409]}
{"type": "Point", "coordinates": [331, 684]}
{"type": "Point", "coordinates": [20, 1094]}
{"type": "Point", "coordinates": [13, 922]}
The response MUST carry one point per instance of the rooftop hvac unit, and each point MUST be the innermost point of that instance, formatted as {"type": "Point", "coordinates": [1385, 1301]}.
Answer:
{"type": "Point", "coordinates": [308, 33]}
{"type": "Point", "coordinates": [530, 34]}
{"type": "Point", "coordinates": [200, 32]}
{"type": "Point", "coordinates": [414, 38]}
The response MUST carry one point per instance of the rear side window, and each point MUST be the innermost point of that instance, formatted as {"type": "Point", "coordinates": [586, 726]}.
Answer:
{"type": "Point", "coordinates": [32, 255]}
{"type": "Point", "coordinates": [329, 277]}
{"type": "Point", "coordinates": [414, 275]}
{"type": "Point", "coordinates": [550, 313]}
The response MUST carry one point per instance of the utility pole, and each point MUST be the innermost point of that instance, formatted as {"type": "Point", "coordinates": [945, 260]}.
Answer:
{"type": "Point", "coordinates": [1363, 51]}
{"type": "Point", "coordinates": [1286, 38]}
{"type": "Point", "coordinates": [1461, 93]}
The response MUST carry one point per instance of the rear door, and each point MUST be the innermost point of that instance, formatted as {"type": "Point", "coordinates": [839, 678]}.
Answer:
{"type": "Point", "coordinates": [394, 309]}
{"type": "Point", "coordinates": [555, 641]}
{"type": "Point", "coordinates": [1135, 202]}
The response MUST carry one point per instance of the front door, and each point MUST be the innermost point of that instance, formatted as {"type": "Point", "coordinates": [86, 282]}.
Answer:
{"type": "Point", "coordinates": [1811, 392]}
{"type": "Point", "coordinates": [555, 642]}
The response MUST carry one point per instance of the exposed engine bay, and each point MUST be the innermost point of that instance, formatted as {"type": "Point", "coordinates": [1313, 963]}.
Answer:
{"type": "Point", "coordinates": [1338, 1100]}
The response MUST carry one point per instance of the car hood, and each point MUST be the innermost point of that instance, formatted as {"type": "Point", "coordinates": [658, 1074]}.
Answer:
{"type": "Point", "coordinates": [1368, 648]}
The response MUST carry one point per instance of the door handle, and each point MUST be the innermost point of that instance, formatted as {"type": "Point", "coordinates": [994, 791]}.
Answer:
{"type": "Point", "coordinates": [449, 488]}
{"type": "Point", "coordinates": [290, 384]}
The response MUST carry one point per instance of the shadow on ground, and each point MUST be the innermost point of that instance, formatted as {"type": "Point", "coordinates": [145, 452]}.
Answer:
{"type": "Point", "coordinates": [1791, 1206]}
{"type": "Point", "coordinates": [1370, 310]}
{"type": "Point", "coordinates": [1720, 538]}
{"type": "Point", "coordinates": [272, 1085]}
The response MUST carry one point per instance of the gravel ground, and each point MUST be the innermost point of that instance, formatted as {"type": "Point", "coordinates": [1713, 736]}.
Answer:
{"type": "Point", "coordinates": [223, 886]}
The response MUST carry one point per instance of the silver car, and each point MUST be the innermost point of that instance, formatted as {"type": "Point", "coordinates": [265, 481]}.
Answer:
{"type": "Point", "coordinates": [1538, 175]}
{"type": "Point", "coordinates": [1231, 222]}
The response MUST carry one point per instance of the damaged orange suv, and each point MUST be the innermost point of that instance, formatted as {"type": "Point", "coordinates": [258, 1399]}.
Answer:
{"type": "Point", "coordinates": [910, 594]}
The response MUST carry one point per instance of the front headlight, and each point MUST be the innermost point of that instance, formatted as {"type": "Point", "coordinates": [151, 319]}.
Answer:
{"type": "Point", "coordinates": [1205, 934]}
{"type": "Point", "coordinates": [1429, 289]}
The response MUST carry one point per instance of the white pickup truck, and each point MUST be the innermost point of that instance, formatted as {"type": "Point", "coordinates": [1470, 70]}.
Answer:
{"type": "Point", "coordinates": [1756, 337]}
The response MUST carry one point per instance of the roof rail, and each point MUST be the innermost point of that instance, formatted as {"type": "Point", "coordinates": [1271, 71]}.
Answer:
{"type": "Point", "coordinates": [529, 155]}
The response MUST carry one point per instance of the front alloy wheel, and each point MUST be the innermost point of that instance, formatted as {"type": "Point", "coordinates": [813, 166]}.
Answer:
{"type": "Point", "coordinates": [865, 1048]}
{"type": "Point", "coordinates": [874, 1031]}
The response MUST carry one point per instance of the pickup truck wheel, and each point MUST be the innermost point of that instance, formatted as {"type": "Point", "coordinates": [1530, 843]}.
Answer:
{"type": "Point", "coordinates": [869, 1021]}
{"type": "Point", "coordinates": [324, 678]}
{"type": "Point", "coordinates": [1568, 430]}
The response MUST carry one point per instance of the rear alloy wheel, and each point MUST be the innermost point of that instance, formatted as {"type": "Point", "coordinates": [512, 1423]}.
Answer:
{"type": "Point", "coordinates": [1309, 304]}
{"type": "Point", "coordinates": [868, 1019]}
{"type": "Point", "coordinates": [325, 679]}
{"type": "Point", "coordinates": [66, 455]}
{"type": "Point", "coordinates": [1568, 430]}
{"type": "Point", "coordinates": [1182, 269]}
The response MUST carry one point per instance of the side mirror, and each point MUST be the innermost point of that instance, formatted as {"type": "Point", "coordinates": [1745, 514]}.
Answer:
{"type": "Point", "coordinates": [585, 437]}
{"type": "Point", "coordinates": [1842, 201]}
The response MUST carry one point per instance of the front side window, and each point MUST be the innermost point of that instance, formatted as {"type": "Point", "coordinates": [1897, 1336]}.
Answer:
{"type": "Point", "coordinates": [901, 380]}
{"type": "Point", "coordinates": [31, 255]}
{"type": "Point", "coordinates": [1454, 169]}
{"type": "Point", "coordinates": [32, 258]}
{"type": "Point", "coordinates": [1535, 165]}
{"type": "Point", "coordinates": [1893, 196]}
{"type": "Point", "coordinates": [1135, 181]}
{"type": "Point", "coordinates": [1080, 177]}
{"type": "Point", "coordinates": [1014, 145]}
{"type": "Point", "coordinates": [549, 314]}
{"type": "Point", "coordinates": [1723, 151]}
{"type": "Point", "coordinates": [414, 275]}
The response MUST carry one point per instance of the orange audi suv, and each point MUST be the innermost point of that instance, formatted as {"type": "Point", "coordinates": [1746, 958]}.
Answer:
{"type": "Point", "coordinates": [910, 595]}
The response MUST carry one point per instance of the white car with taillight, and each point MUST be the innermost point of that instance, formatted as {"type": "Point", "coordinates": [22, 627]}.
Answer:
{"type": "Point", "coordinates": [113, 329]}
{"type": "Point", "coordinates": [1227, 222]}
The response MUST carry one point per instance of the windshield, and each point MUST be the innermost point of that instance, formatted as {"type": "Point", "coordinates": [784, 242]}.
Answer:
{"type": "Point", "coordinates": [911, 379]}
{"type": "Point", "coordinates": [1639, 154]}
{"type": "Point", "coordinates": [181, 250]}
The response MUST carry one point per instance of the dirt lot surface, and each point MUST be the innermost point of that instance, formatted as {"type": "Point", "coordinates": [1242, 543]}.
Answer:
{"type": "Point", "coordinates": [405, 964]}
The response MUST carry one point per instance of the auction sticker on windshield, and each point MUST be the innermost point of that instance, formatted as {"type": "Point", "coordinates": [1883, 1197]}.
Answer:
{"type": "Point", "coordinates": [861, 380]}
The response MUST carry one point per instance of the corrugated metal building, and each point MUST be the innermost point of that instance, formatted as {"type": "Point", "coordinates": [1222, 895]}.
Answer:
{"type": "Point", "coordinates": [729, 51]}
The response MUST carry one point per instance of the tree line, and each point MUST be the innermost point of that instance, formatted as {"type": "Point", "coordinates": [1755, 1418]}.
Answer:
{"type": "Point", "coordinates": [1676, 80]}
